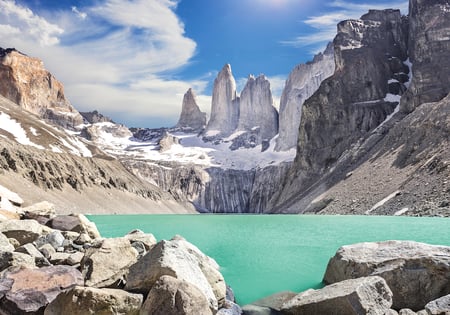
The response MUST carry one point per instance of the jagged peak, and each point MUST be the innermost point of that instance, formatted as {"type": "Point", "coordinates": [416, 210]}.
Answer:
{"type": "Point", "coordinates": [7, 51]}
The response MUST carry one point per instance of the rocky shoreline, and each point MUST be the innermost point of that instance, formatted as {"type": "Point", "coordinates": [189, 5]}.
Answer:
{"type": "Point", "coordinates": [60, 264]}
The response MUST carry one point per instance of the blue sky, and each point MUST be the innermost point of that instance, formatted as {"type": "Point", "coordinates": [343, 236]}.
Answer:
{"type": "Point", "coordinates": [134, 59]}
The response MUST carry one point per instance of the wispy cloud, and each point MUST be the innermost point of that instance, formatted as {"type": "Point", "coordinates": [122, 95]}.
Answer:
{"type": "Point", "coordinates": [323, 27]}
{"type": "Point", "coordinates": [108, 57]}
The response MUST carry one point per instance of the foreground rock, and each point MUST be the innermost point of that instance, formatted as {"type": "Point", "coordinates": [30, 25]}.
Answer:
{"type": "Point", "coordinates": [182, 260]}
{"type": "Point", "coordinates": [417, 273]}
{"type": "Point", "coordinates": [439, 306]}
{"type": "Point", "coordinates": [173, 296]}
{"type": "Point", "coordinates": [107, 263]}
{"type": "Point", "coordinates": [369, 295]}
{"type": "Point", "coordinates": [24, 231]}
{"type": "Point", "coordinates": [27, 291]}
{"type": "Point", "coordinates": [86, 301]}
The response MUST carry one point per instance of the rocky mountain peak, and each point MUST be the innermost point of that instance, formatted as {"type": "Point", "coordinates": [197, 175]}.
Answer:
{"type": "Point", "coordinates": [224, 106]}
{"type": "Point", "coordinates": [26, 82]}
{"type": "Point", "coordinates": [191, 117]}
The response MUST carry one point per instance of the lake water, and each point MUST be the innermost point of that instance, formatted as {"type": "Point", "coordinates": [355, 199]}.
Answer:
{"type": "Point", "coordinates": [263, 254]}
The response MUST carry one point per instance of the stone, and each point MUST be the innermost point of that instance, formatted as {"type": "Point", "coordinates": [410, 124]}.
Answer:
{"type": "Point", "coordinates": [171, 296]}
{"type": "Point", "coordinates": [252, 309]}
{"type": "Point", "coordinates": [369, 295]}
{"type": "Point", "coordinates": [32, 251]}
{"type": "Point", "coordinates": [28, 291]}
{"type": "Point", "coordinates": [26, 82]}
{"type": "Point", "coordinates": [406, 311]}
{"type": "Point", "coordinates": [83, 238]}
{"type": "Point", "coordinates": [224, 106]}
{"type": "Point", "coordinates": [230, 308]}
{"type": "Point", "coordinates": [47, 250]}
{"type": "Point", "coordinates": [302, 82]}
{"type": "Point", "coordinates": [59, 258]}
{"type": "Point", "coordinates": [429, 46]}
{"type": "Point", "coordinates": [6, 194]}
{"type": "Point", "coordinates": [391, 312]}
{"type": "Point", "coordinates": [70, 235]}
{"type": "Point", "coordinates": [167, 141]}
{"type": "Point", "coordinates": [440, 306]}
{"type": "Point", "coordinates": [75, 223]}
{"type": "Point", "coordinates": [256, 109]}
{"type": "Point", "coordinates": [24, 231]}
{"type": "Point", "coordinates": [271, 304]}
{"type": "Point", "coordinates": [95, 117]}
{"type": "Point", "coordinates": [147, 239]}
{"type": "Point", "coordinates": [5, 245]}
{"type": "Point", "coordinates": [107, 265]}
{"type": "Point", "coordinates": [15, 259]}
{"type": "Point", "coordinates": [417, 273]}
{"type": "Point", "coordinates": [84, 301]}
{"type": "Point", "coordinates": [43, 209]}
{"type": "Point", "coordinates": [75, 259]}
{"type": "Point", "coordinates": [9, 215]}
{"type": "Point", "coordinates": [182, 260]}
{"type": "Point", "coordinates": [191, 118]}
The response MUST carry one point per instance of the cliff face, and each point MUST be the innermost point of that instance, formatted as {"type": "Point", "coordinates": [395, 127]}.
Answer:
{"type": "Point", "coordinates": [26, 82]}
{"type": "Point", "coordinates": [191, 118]}
{"type": "Point", "coordinates": [224, 106]}
{"type": "Point", "coordinates": [429, 45]}
{"type": "Point", "coordinates": [302, 82]}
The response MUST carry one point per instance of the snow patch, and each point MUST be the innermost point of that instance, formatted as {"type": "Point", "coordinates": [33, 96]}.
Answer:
{"type": "Point", "coordinates": [15, 128]}
{"type": "Point", "coordinates": [34, 131]}
{"type": "Point", "coordinates": [401, 212]}
{"type": "Point", "coordinates": [408, 63]}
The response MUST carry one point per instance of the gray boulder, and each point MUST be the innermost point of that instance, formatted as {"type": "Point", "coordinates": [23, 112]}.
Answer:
{"type": "Point", "coordinates": [417, 273]}
{"type": "Point", "coordinates": [440, 306]}
{"type": "Point", "coordinates": [24, 231]}
{"type": "Point", "coordinates": [28, 291]}
{"type": "Point", "coordinates": [92, 301]}
{"type": "Point", "coordinates": [15, 259]}
{"type": "Point", "coordinates": [107, 264]}
{"type": "Point", "coordinates": [147, 239]}
{"type": "Point", "coordinates": [75, 223]}
{"type": "Point", "coordinates": [369, 295]}
{"type": "Point", "coordinates": [5, 245]}
{"type": "Point", "coordinates": [230, 308]}
{"type": "Point", "coordinates": [270, 305]}
{"type": "Point", "coordinates": [171, 296]}
{"type": "Point", "coordinates": [184, 261]}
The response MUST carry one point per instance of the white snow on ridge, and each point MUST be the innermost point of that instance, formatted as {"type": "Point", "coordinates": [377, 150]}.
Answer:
{"type": "Point", "coordinates": [15, 128]}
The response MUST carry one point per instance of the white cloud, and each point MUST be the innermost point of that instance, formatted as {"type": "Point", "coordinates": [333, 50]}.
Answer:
{"type": "Point", "coordinates": [32, 27]}
{"type": "Point", "coordinates": [324, 25]}
{"type": "Point", "coordinates": [109, 57]}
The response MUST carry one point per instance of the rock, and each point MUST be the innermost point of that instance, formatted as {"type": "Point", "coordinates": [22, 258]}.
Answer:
{"type": "Point", "coordinates": [167, 141]}
{"type": "Point", "coordinates": [429, 46]}
{"type": "Point", "coordinates": [302, 82]}
{"type": "Point", "coordinates": [75, 223]}
{"type": "Point", "coordinates": [75, 259]}
{"type": "Point", "coordinates": [391, 312]}
{"type": "Point", "coordinates": [417, 273]}
{"type": "Point", "coordinates": [171, 296]}
{"type": "Point", "coordinates": [5, 245]}
{"type": "Point", "coordinates": [55, 239]}
{"type": "Point", "coordinates": [83, 238]}
{"type": "Point", "coordinates": [14, 242]}
{"type": "Point", "coordinates": [26, 82]}
{"type": "Point", "coordinates": [71, 236]}
{"type": "Point", "coordinates": [256, 109]}
{"type": "Point", "coordinates": [32, 251]}
{"type": "Point", "coordinates": [12, 197]}
{"type": "Point", "coordinates": [230, 308]}
{"type": "Point", "coordinates": [191, 118]}
{"type": "Point", "coordinates": [107, 265]}
{"type": "Point", "coordinates": [251, 309]}
{"type": "Point", "coordinates": [8, 215]}
{"type": "Point", "coordinates": [369, 295]}
{"type": "Point", "coordinates": [24, 231]}
{"type": "Point", "coordinates": [59, 258]}
{"type": "Point", "coordinates": [96, 132]}
{"type": "Point", "coordinates": [271, 304]}
{"type": "Point", "coordinates": [182, 260]}
{"type": "Point", "coordinates": [406, 311]}
{"type": "Point", "coordinates": [15, 259]}
{"type": "Point", "coordinates": [85, 301]}
{"type": "Point", "coordinates": [440, 306]}
{"type": "Point", "coordinates": [43, 209]}
{"type": "Point", "coordinates": [47, 250]}
{"type": "Point", "coordinates": [27, 291]}
{"type": "Point", "coordinates": [95, 117]}
{"type": "Point", "coordinates": [224, 105]}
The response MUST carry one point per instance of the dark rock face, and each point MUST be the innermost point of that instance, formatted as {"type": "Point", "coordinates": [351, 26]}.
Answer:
{"type": "Point", "coordinates": [354, 100]}
{"type": "Point", "coordinates": [191, 117]}
{"type": "Point", "coordinates": [429, 48]}
{"type": "Point", "coordinates": [225, 105]}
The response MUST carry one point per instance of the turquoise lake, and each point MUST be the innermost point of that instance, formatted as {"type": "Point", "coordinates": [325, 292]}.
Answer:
{"type": "Point", "coordinates": [263, 254]}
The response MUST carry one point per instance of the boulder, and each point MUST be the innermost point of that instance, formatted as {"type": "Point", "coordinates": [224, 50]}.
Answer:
{"type": "Point", "coordinates": [32, 251]}
{"type": "Point", "coordinates": [47, 250]}
{"type": "Point", "coordinates": [182, 260]}
{"type": "Point", "coordinates": [107, 264]}
{"type": "Point", "coordinates": [171, 296]}
{"type": "Point", "coordinates": [15, 259]}
{"type": "Point", "coordinates": [230, 308]}
{"type": "Point", "coordinates": [85, 301]}
{"type": "Point", "coordinates": [6, 215]}
{"type": "Point", "coordinates": [369, 295]}
{"type": "Point", "coordinates": [42, 209]}
{"type": "Point", "coordinates": [55, 239]}
{"type": "Point", "coordinates": [147, 239]}
{"type": "Point", "coordinates": [75, 258]}
{"type": "Point", "coordinates": [75, 223]}
{"type": "Point", "coordinates": [270, 305]}
{"type": "Point", "coordinates": [439, 306]}
{"type": "Point", "coordinates": [417, 273]}
{"type": "Point", "coordinates": [5, 245]}
{"type": "Point", "coordinates": [58, 258]}
{"type": "Point", "coordinates": [28, 291]}
{"type": "Point", "coordinates": [406, 311]}
{"type": "Point", "coordinates": [6, 194]}
{"type": "Point", "coordinates": [24, 231]}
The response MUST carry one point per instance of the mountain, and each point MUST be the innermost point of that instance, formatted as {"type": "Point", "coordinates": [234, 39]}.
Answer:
{"type": "Point", "coordinates": [191, 118]}
{"type": "Point", "coordinates": [26, 82]}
